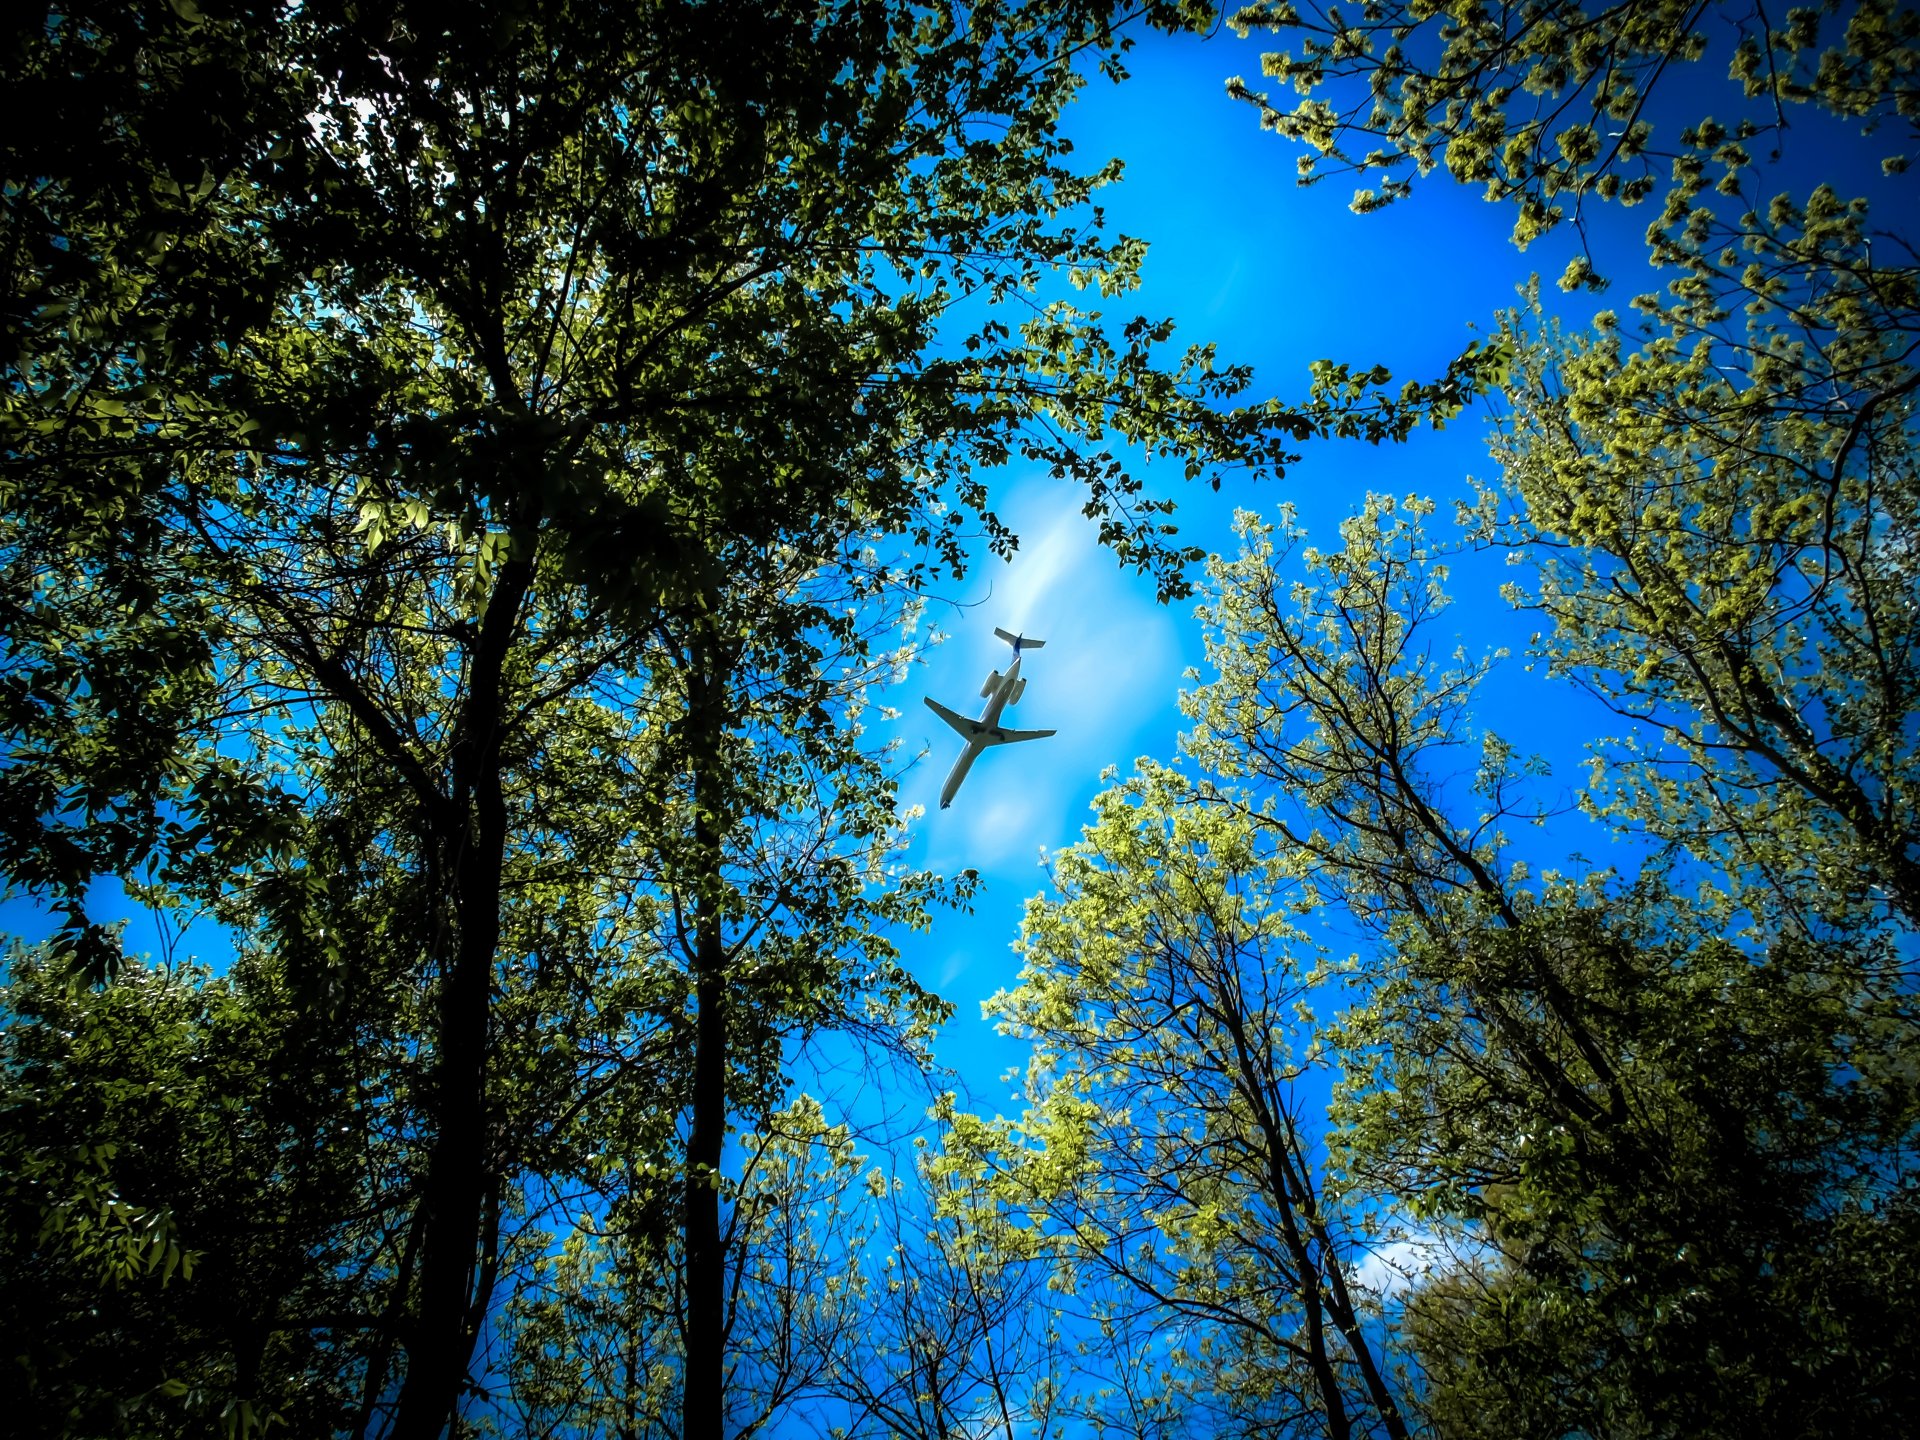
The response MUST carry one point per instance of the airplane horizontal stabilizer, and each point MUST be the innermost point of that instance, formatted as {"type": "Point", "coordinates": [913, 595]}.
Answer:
{"type": "Point", "coordinates": [1019, 642]}
{"type": "Point", "coordinates": [968, 728]}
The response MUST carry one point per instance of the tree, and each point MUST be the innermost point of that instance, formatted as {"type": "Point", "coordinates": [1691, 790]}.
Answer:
{"type": "Point", "coordinates": [595, 1345]}
{"type": "Point", "coordinates": [1672, 1148]}
{"type": "Point", "coordinates": [1169, 1142]}
{"type": "Point", "coordinates": [404, 399]}
{"type": "Point", "coordinates": [1550, 103]}
{"type": "Point", "coordinates": [187, 1202]}
{"type": "Point", "coordinates": [958, 1329]}
{"type": "Point", "coordinates": [774, 844]}
{"type": "Point", "coordinates": [1714, 1262]}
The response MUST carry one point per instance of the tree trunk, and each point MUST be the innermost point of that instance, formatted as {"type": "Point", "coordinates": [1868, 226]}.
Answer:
{"type": "Point", "coordinates": [1347, 1320]}
{"type": "Point", "coordinates": [1316, 1259]}
{"type": "Point", "coordinates": [472, 836]}
{"type": "Point", "coordinates": [703, 1397]}
{"type": "Point", "coordinates": [703, 1401]}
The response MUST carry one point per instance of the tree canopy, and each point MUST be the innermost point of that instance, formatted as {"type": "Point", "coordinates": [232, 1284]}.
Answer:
{"type": "Point", "coordinates": [468, 483]}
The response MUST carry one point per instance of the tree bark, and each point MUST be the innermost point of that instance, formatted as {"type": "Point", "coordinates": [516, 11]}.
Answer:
{"type": "Point", "coordinates": [703, 1394]}
{"type": "Point", "coordinates": [471, 836]}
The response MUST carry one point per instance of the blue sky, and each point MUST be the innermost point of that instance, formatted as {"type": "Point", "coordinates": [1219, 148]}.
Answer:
{"type": "Point", "coordinates": [1277, 276]}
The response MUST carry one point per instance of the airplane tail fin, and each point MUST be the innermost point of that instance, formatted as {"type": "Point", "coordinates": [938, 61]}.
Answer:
{"type": "Point", "coordinates": [1019, 642]}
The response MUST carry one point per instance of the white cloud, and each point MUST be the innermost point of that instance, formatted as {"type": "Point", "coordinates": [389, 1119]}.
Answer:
{"type": "Point", "coordinates": [1030, 597]}
{"type": "Point", "coordinates": [1397, 1266]}
{"type": "Point", "coordinates": [1106, 681]}
{"type": "Point", "coordinates": [1391, 1269]}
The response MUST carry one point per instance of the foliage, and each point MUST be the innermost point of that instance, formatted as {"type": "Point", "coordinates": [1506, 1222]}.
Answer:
{"type": "Point", "coordinates": [1718, 1252]}
{"type": "Point", "coordinates": [1679, 1132]}
{"type": "Point", "coordinates": [1167, 1145]}
{"type": "Point", "coordinates": [462, 479]}
{"type": "Point", "coordinates": [1687, 1161]}
{"type": "Point", "coordinates": [959, 1323]}
{"type": "Point", "coordinates": [592, 1342]}
{"type": "Point", "coordinates": [1548, 103]}
{"type": "Point", "coordinates": [1725, 559]}
{"type": "Point", "coordinates": [447, 488]}
{"type": "Point", "coordinates": [187, 1162]}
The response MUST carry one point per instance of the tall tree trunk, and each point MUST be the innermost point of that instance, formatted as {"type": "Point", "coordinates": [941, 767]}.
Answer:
{"type": "Point", "coordinates": [1317, 1260]}
{"type": "Point", "coordinates": [1340, 1306]}
{"type": "Point", "coordinates": [703, 1401]}
{"type": "Point", "coordinates": [472, 836]}
{"type": "Point", "coordinates": [703, 1398]}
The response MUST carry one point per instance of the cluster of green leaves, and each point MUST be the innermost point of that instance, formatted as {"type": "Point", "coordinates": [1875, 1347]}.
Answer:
{"type": "Point", "coordinates": [1547, 103]}
{"type": "Point", "coordinates": [1727, 563]}
{"type": "Point", "coordinates": [192, 1172]}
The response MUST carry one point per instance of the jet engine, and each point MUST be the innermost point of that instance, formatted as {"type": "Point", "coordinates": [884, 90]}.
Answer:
{"type": "Point", "coordinates": [1019, 689]}
{"type": "Point", "coordinates": [986, 686]}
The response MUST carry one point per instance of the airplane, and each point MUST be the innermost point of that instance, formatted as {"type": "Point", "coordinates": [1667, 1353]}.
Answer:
{"type": "Point", "coordinates": [999, 691]}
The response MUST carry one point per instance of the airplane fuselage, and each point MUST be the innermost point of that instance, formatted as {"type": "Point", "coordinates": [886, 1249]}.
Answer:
{"type": "Point", "coordinates": [999, 691]}
{"type": "Point", "coordinates": [989, 718]}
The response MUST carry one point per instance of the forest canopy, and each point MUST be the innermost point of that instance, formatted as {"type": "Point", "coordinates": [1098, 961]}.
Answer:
{"type": "Point", "coordinates": [471, 487]}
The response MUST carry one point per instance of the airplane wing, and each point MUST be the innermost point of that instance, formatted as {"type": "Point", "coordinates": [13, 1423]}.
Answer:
{"type": "Point", "coordinates": [969, 729]}
{"type": "Point", "coordinates": [998, 736]}
{"type": "Point", "coordinates": [974, 730]}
